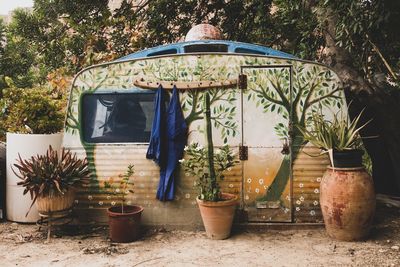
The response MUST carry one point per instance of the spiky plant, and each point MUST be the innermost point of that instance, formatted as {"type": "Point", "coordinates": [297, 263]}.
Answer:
{"type": "Point", "coordinates": [50, 174]}
{"type": "Point", "coordinates": [338, 134]}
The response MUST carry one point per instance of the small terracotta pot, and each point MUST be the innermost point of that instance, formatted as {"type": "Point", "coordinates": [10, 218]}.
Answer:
{"type": "Point", "coordinates": [56, 203]}
{"type": "Point", "coordinates": [124, 227]}
{"type": "Point", "coordinates": [347, 201]}
{"type": "Point", "coordinates": [218, 216]}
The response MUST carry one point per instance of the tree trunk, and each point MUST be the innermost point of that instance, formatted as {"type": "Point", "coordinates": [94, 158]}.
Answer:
{"type": "Point", "coordinates": [93, 181]}
{"type": "Point", "coordinates": [281, 179]}
{"type": "Point", "coordinates": [382, 106]}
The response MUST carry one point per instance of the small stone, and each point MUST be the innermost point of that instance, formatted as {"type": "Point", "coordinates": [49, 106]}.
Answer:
{"type": "Point", "coordinates": [381, 250]}
{"type": "Point", "coordinates": [395, 247]}
{"type": "Point", "coordinates": [388, 241]}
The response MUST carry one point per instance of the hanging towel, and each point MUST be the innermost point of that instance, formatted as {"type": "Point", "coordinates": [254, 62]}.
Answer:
{"type": "Point", "coordinates": [168, 140]}
{"type": "Point", "coordinates": [177, 138]}
{"type": "Point", "coordinates": [158, 137]}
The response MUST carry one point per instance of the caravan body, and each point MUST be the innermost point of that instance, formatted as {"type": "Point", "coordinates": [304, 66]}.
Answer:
{"type": "Point", "coordinates": [258, 96]}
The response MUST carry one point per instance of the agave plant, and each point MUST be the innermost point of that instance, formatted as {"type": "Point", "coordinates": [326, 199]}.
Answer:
{"type": "Point", "coordinates": [338, 134]}
{"type": "Point", "coordinates": [50, 174]}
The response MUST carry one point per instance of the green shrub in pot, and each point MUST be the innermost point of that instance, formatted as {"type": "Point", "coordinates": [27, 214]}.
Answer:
{"type": "Point", "coordinates": [52, 176]}
{"type": "Point", "coordinates": [30, 110]}
{"type": "Point", "coordinates": [196, 165]}
{"type": "Point", "coordinates": [208, 165]}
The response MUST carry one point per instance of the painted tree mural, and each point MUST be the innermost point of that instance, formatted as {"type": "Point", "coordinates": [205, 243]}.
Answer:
{"type": "Point", "coordinates": [89, 82]}
{"type": "Point", "coordinates": [311, 88]}
{"type": "Point", "coordinates": [120, 77]}
{"type": "Point", "coordinates": [223, 107]}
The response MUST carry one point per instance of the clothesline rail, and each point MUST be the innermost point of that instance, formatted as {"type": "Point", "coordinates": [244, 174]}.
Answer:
{"type": "Point", "coordinates": [183, 85]}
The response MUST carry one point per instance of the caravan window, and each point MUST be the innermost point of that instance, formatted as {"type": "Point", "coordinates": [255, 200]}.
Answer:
{"type": "Point", "coordinates": [197, 48]}
{"type": "Point", "coordinates": [117, 117]}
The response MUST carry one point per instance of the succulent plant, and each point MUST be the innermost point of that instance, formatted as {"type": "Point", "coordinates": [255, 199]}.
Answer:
{"type": "Point", "coordinates": [338, 134]}
{"type": "Point", "coordinates": [50, 174]}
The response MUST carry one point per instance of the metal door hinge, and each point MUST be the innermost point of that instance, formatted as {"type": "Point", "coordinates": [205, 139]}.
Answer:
{"type": "Point", "coordinates": [242, 81]}
{"type": "Point", "coordinates": [243, 152]}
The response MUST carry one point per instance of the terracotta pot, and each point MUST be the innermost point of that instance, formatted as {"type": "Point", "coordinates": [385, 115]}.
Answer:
{"type": "Point", "coordinates": [124, 227]}
{"type": "Point", "coordinates": [218, 216]}
{"type": "Point", "coordinates": [56, 203]}
{"type": "Point", "coordinates": [347, 201]}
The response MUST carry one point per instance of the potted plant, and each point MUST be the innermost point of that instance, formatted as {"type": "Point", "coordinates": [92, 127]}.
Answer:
{"type": "Point", "coordinates": [32, 119]}
{"type": "Point", "coordinates": [124, 220]}
{"type": "Point", "coordinates": [217, 209]}
{"type": "Point", "coordinates": [51, 179]}
{"type": "Point", "coordinates": [347, 196]}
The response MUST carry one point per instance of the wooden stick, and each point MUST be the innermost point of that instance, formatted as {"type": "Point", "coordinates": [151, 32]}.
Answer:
{"type": "Point", "coordinates": [182, 85]}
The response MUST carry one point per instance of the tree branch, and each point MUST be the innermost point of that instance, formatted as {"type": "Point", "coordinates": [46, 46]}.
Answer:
{"type": "Point", "coordinates": [278, 89]}
{"type": "Point", "coordinates": [377, 50]}
{"type": "Point", "coordinates": [266, 96]}
{"type": "Point", "coordinates": [331, 94]}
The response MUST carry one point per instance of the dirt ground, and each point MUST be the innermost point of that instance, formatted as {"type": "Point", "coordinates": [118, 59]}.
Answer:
{"type": "Point", "coordinates": [25, 245]}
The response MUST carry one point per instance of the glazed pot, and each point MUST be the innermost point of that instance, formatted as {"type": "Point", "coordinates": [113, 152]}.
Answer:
{"type": "Point", "coordinates": [218, 216]}
{"type": "Point", "coordinates": [348, 158]}
{"type": "Point", "coordinates": [124, 227]}
{"type": "Point", "coordinates": [56, 203]}
{"type": "Point", "coordinates": [347, 201]}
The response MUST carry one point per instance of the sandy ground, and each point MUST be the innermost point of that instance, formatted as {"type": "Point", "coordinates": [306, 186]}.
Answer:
{"type": "Point", "coordinates": [25, 245]}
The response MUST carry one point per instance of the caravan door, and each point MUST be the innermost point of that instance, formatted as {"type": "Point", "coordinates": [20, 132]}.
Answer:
{"type": "Point", "coordinates": [266, 120]}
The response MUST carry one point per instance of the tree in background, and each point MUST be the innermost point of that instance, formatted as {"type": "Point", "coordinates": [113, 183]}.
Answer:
{"type": "Point", "coordinates": [17, 58]}
{"type": "Point", "coordinates": [360, 40]}
{"type": "Point", "coordinates": [168, 21]}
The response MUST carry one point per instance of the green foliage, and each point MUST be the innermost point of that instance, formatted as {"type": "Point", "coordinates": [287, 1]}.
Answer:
{"type": "Point", "coordinates": [366, 30]}
{"type": "Point", "coordinates": [366, 161]}
{"type": "Point", "coordinates": [196, 165]}
{"type": "Point", "coordinates": [18, 57]}
{"type": "Point", "coordinates": [50, 174]}
{"type": "Point", "coordinates": [296, 28]}
{"type": "Point", "coordinates": [338, 134]}
{"type": "Point", "coordinates": [247, 21]}
{"type": "Point", "coordinates": [369, 31]}
{"type": "Point", "coordinates": [270, 88]}
{"type": "Point", "coordinates": [32, 110]}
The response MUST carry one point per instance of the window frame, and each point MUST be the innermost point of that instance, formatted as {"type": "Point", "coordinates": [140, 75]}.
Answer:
{"type": "Point", "coordinates": [107, 92]}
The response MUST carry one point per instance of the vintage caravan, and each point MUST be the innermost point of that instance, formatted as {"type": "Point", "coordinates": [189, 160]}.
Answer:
{"type": "Point", "coordinates": [258, 95]}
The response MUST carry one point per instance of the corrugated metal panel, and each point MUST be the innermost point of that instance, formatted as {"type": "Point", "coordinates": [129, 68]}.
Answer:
{"type": "Point", "coordinates": [307, 174]}
{"type": "Point", "coordinates": [112, 160]}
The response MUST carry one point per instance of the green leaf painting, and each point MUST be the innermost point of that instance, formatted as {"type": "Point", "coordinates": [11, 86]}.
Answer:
{"type": "Point", "coordinates": [291, 95]}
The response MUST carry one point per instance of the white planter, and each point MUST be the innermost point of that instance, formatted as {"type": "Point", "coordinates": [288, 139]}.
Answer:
{"type": "Point", "coordinates": [26, 145]}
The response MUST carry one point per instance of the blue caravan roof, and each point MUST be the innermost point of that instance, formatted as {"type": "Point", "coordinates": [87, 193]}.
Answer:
{"type": "Point", "coordinates": [207, 46]}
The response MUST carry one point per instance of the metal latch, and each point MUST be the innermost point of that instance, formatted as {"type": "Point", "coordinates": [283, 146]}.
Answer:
{"type": "Point", "coordinates": [285, 147]}
{"type": "Point", "coordinates": [242, 81]}
{"type": "Point", "coordinates": [243, 152]}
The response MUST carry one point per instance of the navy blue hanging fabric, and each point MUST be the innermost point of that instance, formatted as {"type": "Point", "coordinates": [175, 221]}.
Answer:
{"type": "Point", "coordinates": [171, 131]}
{"type": "Point", "coordinates": [158, 137]}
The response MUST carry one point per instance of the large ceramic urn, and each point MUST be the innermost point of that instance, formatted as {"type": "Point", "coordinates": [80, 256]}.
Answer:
{"type": "Point", "coordinates": [348, 202]}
